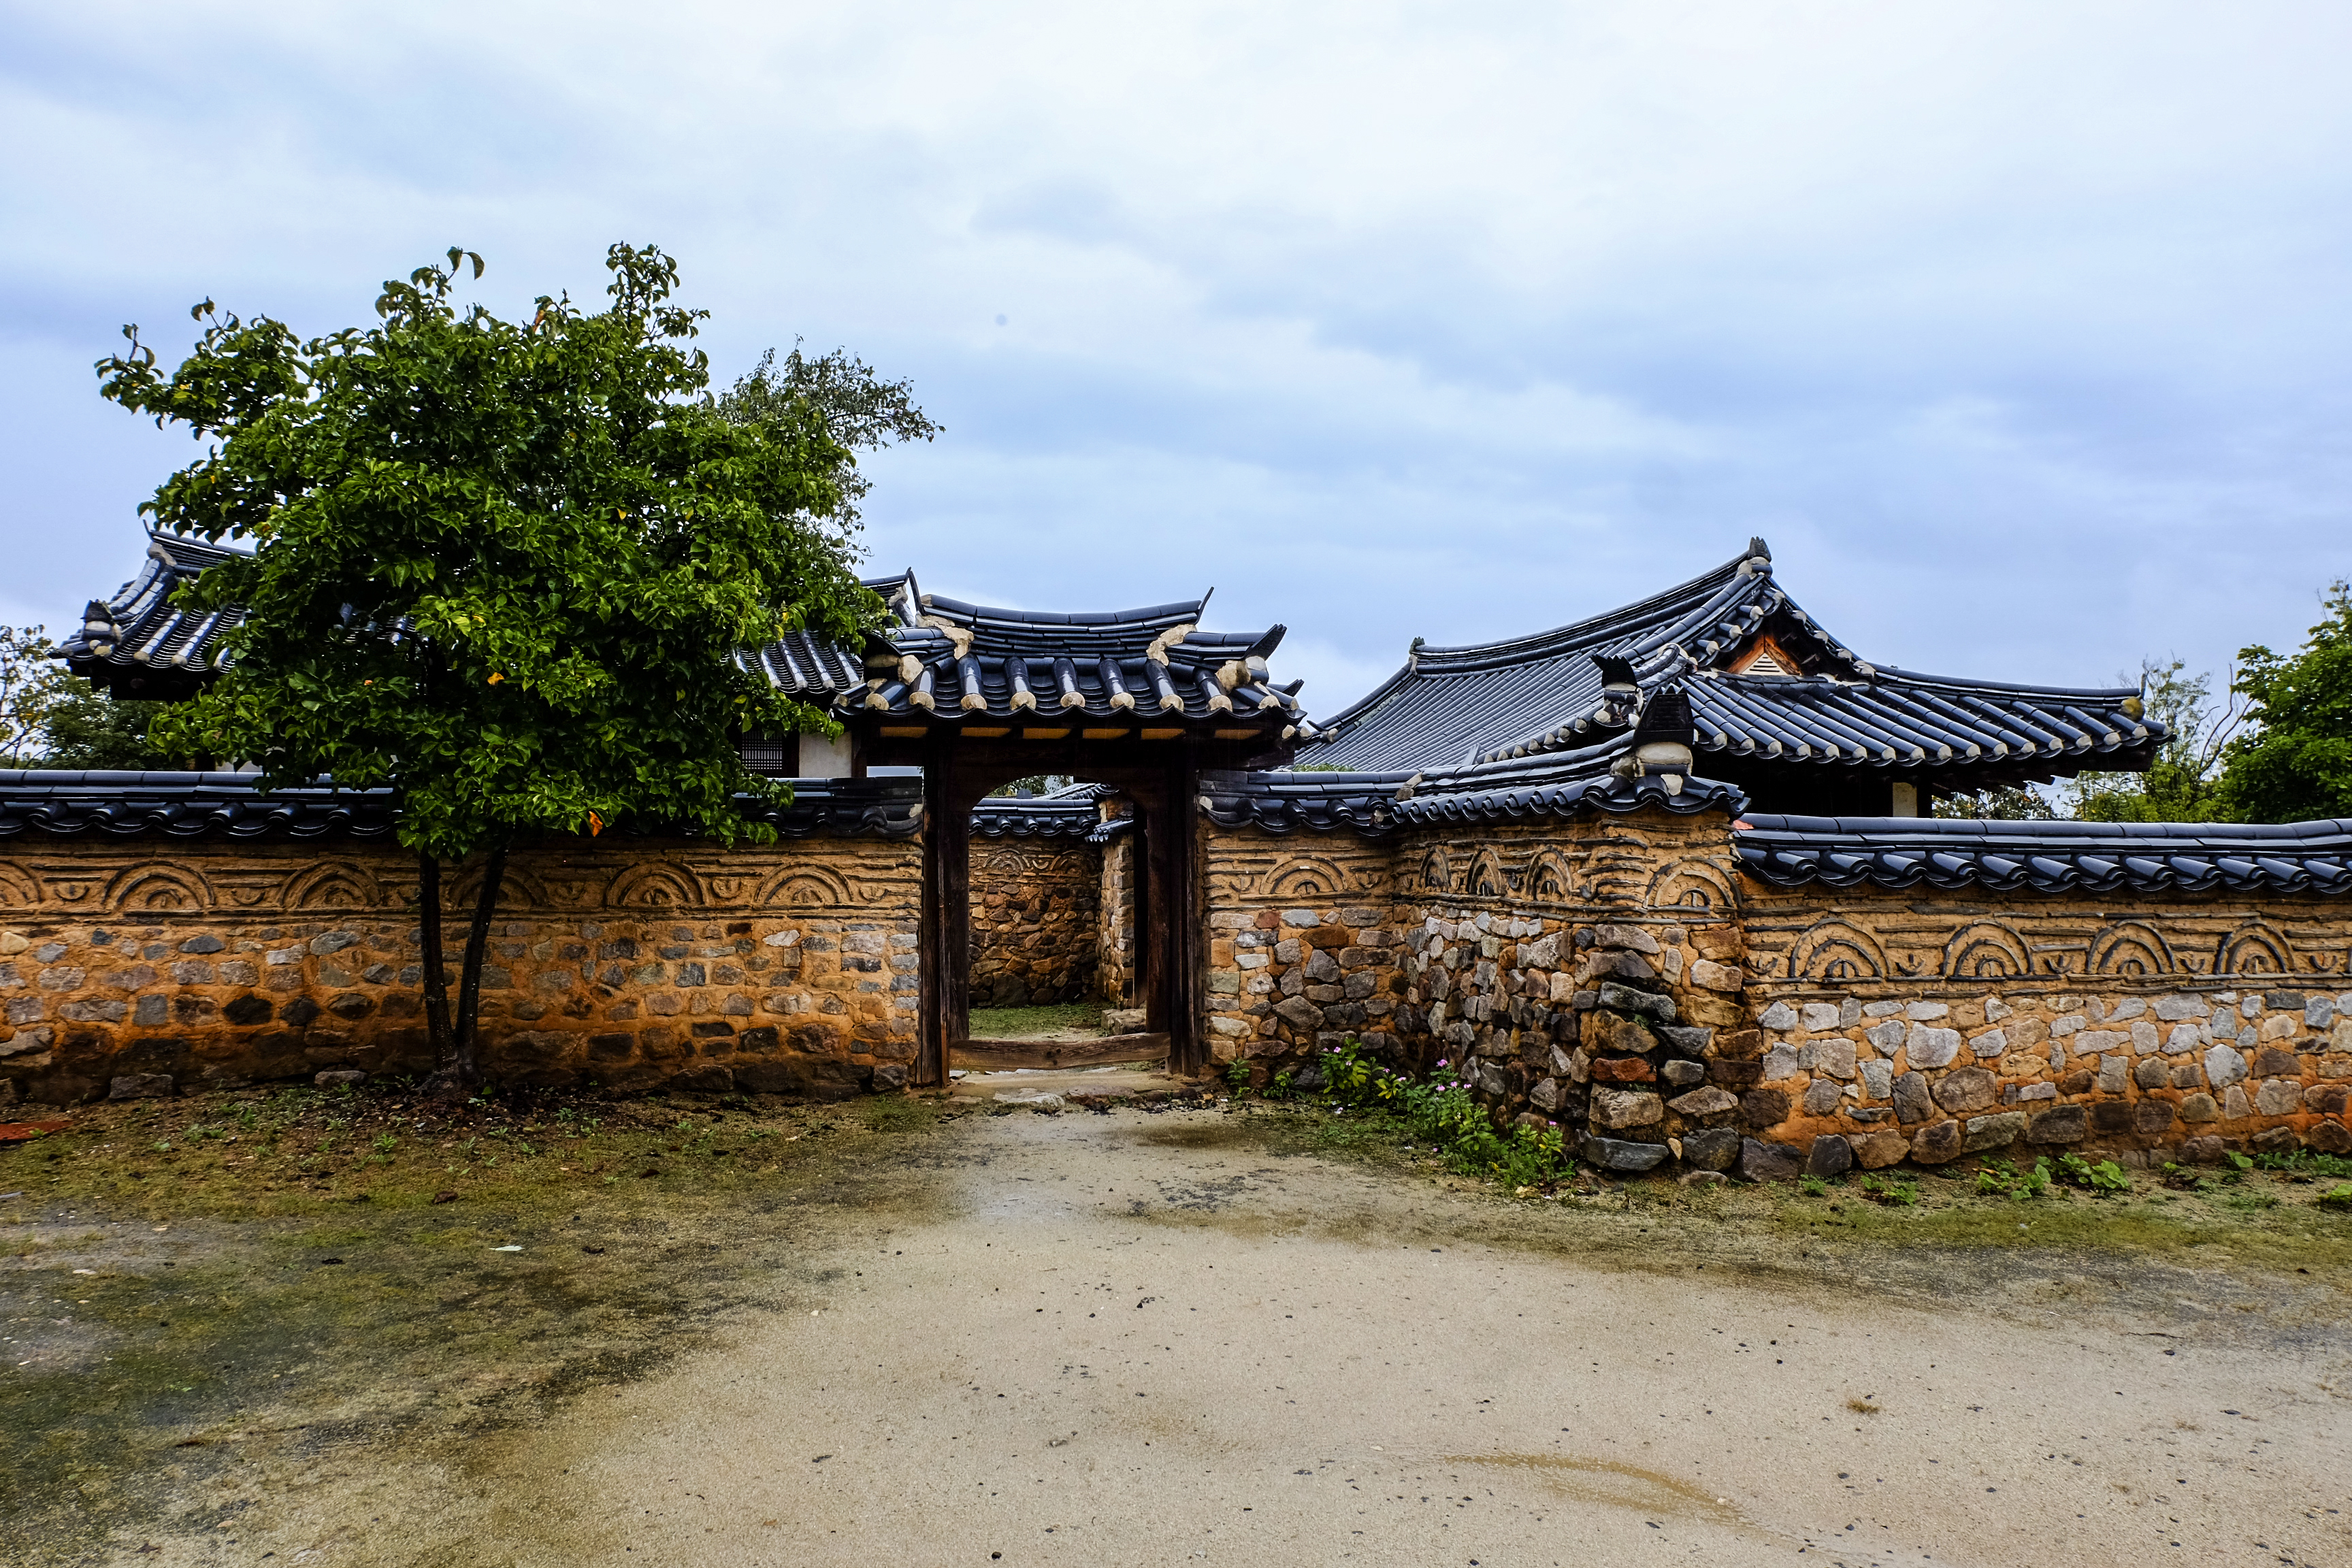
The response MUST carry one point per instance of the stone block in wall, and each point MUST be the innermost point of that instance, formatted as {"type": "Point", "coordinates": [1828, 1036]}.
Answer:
{"type": "Point", "coordinates": [1619, 1154]}
{"type": "Point", "coordinates": [1762, 1161]}
{"type": "Point", "coordinates": [1876, 1151]}
{"type": "Point", "coordinates": [1937, 1142]}
{"type": "Point", "coordinates": [2059, 1124]}
{"type": "Point", "coordinates": [1829, 1155]}
{"type": "Point", "coordinates": [1998, 1130]}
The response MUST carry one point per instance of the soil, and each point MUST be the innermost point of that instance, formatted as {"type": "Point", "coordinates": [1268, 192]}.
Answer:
{"type": "Point", "coordinates": [941, 1331]}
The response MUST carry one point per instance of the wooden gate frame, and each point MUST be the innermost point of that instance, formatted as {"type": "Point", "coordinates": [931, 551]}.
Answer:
{"type": "Point", "coordinates": [1162, 778]}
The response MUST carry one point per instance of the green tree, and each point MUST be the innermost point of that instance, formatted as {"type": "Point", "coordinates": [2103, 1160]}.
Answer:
{"type": "Point", "coordinates": [858, 409]}
{"type": "Point", "coordinates": [2183, 783]}
{"type": "Point", "coordinates": [501, 567]}
{"type": "Point", "coordinates": [88, 728]}
{"type": "Point", "coordinates": [1998, 802]}
{"type": "Point", "coordinates": [31, 686]}
{"type": "Point", "coordinates": [2297, 762]}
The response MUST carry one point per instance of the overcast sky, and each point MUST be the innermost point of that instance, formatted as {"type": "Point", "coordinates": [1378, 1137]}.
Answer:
{"type": "Point", "coordinates": [2022, 331]}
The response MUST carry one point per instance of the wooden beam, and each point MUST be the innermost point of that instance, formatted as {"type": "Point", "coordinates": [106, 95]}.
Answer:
{"type": "Point", "coordinates": [1003, 1056]}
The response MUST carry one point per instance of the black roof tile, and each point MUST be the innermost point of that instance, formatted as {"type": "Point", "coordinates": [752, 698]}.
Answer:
{"type": "Point", "coordinates": [1558, 785]}
{"type": "Point", "coordinates": [196, 804]}
{"type": "Point", "coordinates": [958, 662]}
{"type": "Point", "coordinates": [1524, 696]}
{"type": "Point", "coordinates": [2047, 856]}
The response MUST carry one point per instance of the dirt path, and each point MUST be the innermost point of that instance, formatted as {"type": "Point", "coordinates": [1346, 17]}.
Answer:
{"type": "Point", "coordinates": [1137, 1338]}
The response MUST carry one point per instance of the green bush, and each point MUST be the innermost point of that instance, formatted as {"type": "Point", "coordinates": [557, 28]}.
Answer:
{"type": "Point", "coordinates": [1443, 1112]}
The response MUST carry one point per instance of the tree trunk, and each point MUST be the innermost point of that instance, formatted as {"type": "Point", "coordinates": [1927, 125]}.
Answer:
{"type": "Point", "coordinates": [436, 973]}
{"type": "Point", "coordinates": [467, 1059]}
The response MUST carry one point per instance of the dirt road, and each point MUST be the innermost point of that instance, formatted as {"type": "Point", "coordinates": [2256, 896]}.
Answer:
{"type": "Point", "coordinates": [1156, 1339]}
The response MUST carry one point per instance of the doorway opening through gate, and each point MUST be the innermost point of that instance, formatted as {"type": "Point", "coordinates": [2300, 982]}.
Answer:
{"type": "Point", "coordinates": [1054, 937]}
{"type": "Point", "coordinates": [1138, 702]}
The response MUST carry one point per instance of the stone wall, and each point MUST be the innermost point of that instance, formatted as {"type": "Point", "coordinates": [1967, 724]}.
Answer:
{"type": "Point", "coordinates": [1617, 976]}
{"type": "Point", "coordinates": [1614, 975]}
{"type": "Point", "coordinates": [1934, 1025]}
{"type": "Point", "coordinates": [1303, 945]}
{"type": "Point", "coordinates": [1525, 952]}
{"type": "Point", "coordinates": [1115, 930]}
{"type": "Point", "coordinates": [1036, 908]}
{"type": "Point", "coordinates": [791, 968]}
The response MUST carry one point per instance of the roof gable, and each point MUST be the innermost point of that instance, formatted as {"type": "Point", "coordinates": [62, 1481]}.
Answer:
{"type": "Point", "coordinates": [1816, 700]}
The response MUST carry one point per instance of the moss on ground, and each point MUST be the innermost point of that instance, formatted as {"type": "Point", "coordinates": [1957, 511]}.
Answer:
{"type": "Point", "coordinates": [2268, 1220]}
{"type": "Point", "coordinates": [1028, 1022]}
{"type": "Point", "coordinates": [200, 1293]}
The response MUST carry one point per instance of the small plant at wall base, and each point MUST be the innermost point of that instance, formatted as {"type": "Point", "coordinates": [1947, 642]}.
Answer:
{"type": "Point", "coordinates": [502, 568]}
{"type": "Point", "coordinates": [1444, 1113]}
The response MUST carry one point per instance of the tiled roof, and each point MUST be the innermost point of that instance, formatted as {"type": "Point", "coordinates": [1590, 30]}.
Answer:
{"type": "Point", "coordinates": [1073, 812]}
{"type": "Point", "coordinates": [139, 638]}
{"type": "Point", "coordinates": [1528, 695]}
{"type": "Point", "coordinates": [2047, 856]}
{"type": "Point", "coordinates": [192, 804]}
{"type": "Point", "coordinates": [963, 662]}
{"type": "Point", "coordinates": [155, 649]}
{"type": "Point", "coordinates": [182, 805]}
{"type": "Point", "coordinates": [1557, 785]}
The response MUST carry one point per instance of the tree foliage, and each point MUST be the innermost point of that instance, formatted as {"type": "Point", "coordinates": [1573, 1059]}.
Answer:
{"type": "Point", "coordinates": [503, 567]}
{"type": "Point", "coordinates": [858, 409]}
{"type": "Point", "coordinates": [1998, 802]}
{"type": "Point", "coordinates": [2183, 784]}
{"type": "Point", "coordinates": [2295, 763]}
{"type": "Point", "coordinates": [31, 686]}
{"type": "Point", "coordinates": [88, 728]}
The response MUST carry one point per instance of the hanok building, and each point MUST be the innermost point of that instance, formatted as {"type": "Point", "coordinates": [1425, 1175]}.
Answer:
{"type": "Point", "coordinates": [1662, 877]}
{"type": "Point", "coordinates": [1779, 707]}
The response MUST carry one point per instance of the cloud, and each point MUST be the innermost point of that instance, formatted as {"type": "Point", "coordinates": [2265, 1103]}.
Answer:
{"type": "Point", "coordinates": [2019, 330]}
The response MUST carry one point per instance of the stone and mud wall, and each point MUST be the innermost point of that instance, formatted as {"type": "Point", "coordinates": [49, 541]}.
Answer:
{"type": "Point", "coordinates": [1934, 1025]}
{"type": "Point", "coordinates": [1036, 918]}
{"type": "Point", "coordinates": [1116, 965]}
{"type": "Point", "coordinates": [1615, 975]}
{"type": "Point", "coordinates": [1618, 977]}
{"type": "Point", "coordinates": [790, 969]}
{"type": "Point", "coordinates": [1579, 971]}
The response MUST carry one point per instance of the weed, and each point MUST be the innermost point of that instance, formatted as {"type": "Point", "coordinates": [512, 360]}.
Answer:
{"type": "Point", "coordinates": [1813, 1187]}
{"type": "Point", "coordinates": [2000, 1178]}
{"type": "Point", "coordinates": [385, 1142]}
{"type": "Point", "coordinates": [1894, 1193]}
{"type": "Point", "coordinates": [2253, 1203]}
{"type": "Point", "coordinates": [2103, 1180]}
{"type": "Point", "coordinates": [1442, 1112]}
{"type": "Point", "coordinates": [1862, 1406]}
{"type": "Point", "coordinates": [2337, 1198]}
{"type": "Point", "coordinates": [2305, 1163]}
{"type": "Point", "coordinates": [1237, 1074]}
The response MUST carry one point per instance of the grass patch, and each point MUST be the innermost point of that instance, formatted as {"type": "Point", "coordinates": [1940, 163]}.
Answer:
{"type": "Point", "coordinates": [296, 1153]}
{"type": "Point", "coordinates": [1025, 1023]}
{"type": "Point", "coordinates": [246, 1302]}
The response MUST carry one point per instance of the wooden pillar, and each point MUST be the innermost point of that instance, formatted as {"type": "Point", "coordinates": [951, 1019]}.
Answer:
{"type": "Point", "coordinates": [1175, 880]}
{"type": "Point", "coordinates": [946, 940]}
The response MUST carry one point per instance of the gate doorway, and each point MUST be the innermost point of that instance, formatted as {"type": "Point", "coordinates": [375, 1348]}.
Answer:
{"type": "Point", "coordinates": [1054, 933]}
{"type": "Point", "coordinates": [1141, 701]}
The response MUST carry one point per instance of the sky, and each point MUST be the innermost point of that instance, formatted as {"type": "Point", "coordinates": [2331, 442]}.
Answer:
{"type": "Point", "coordinates": [2021, 331]}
